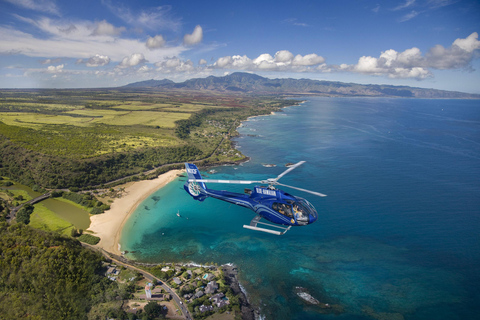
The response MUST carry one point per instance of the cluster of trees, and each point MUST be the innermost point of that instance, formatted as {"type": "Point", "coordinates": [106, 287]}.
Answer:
{"type": "Point", "coordinates": [164, 275]}
{"type": "Point", "coordinates": [23, 215]}
{"type": "Point", "coordinates": [47, 276]}
{"type": "Point", "coordinates": [86, 200]}
{"type": "Point", "coordinates": [33, 168]}
{"type": "Point", "coordinates": [183, 127]}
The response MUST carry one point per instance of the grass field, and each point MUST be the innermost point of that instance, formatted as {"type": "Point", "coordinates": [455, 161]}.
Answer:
{"type": "Point", "coordinates": [45, 219]}
{"type": "Point", "coordinates": [78, 124]}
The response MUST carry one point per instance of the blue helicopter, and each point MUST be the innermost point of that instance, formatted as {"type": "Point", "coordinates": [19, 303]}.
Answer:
{"type": "Point", "coordinates": [268, 202]}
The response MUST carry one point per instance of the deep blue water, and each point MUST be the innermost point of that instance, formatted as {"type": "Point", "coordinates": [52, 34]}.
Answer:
{"type": "Point", "coordinates": [397, 237]}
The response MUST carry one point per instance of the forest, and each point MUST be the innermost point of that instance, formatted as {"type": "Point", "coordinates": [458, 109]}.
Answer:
{"type": "Point", "coordinates": [48, 276]}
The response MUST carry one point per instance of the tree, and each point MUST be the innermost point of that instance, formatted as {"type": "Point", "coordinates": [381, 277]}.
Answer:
{"type": "Point", "coordinates": [152, 309]}
{"type": "Point", "coordinates": [23, 215]}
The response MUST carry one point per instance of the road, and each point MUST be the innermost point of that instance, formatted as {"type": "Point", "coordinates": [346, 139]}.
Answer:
{"type": "Point", "coordinates": [13, 212]}
{"type": "Point", "coordinates": [146, 274]}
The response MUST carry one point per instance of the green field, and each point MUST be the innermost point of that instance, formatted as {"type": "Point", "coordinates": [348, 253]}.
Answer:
{"type": "Point", "coordinates": [65, 138]}
{"type": "Point", "coordinates": [45, 219]}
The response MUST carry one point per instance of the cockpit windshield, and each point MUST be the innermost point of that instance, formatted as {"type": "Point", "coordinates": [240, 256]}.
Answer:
{"type": "Point", "coordinates": [301, 210]}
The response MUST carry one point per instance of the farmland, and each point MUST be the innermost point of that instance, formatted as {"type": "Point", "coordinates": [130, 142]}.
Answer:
{"type": "Point", "coordinates": [64, 138]}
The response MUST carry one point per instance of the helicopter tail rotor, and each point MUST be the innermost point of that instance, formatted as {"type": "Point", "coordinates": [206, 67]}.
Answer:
{"type": "Point", "coordinates": [195, 186]}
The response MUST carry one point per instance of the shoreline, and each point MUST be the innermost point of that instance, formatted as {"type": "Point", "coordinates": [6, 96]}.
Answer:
{"type": "Point", "coordinates": [108, 226]}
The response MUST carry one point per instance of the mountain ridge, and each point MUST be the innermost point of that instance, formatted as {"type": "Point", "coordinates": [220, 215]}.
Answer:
{"type": "Point", "coordinates": [250, 83]}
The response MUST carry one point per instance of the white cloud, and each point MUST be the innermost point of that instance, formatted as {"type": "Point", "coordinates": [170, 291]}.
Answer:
{"type": "Point", "coordinates": [46, 6]}
{"type": "Point", "coordinates": [411, 64]}
{"type": "Point", "coordinates": [294, 22]}
{"type": "Point", "coordinates": [55, 69]}
{"type": "Point", "coordinates": [416, 72]}
{"type": "Point", "coordinates": [223, 62]}
{"type": "Point", "coordinates": [152, 19]}
{"type": "Point", "coordinates": [103, 28]}
{"type": "Point", "coordinates": [434, 4]}
{"type": "Point", "coordinates": [175, 65]}
{"type": "Point", "coordinates": [77, 39]}
{"type": "Point", "coordinates": [132, 60]}
{"type": "Point", "coordinates": [194, 38]}
{"type": "Point", "coordinates": [459, 55]}
{"type": "Point", "coordinates": [283, 56]}
{"type": "Point", "coordinates": [468, 44]}
{"type": "Point", "coordinates": [307, 60]}
{"type": "Point", "coordinates": [241, 62]}
{"type": "Point", "coordinates": [202, 62]}
{"type": "Point", "coordinates": [144, 69]}
{"type": "Point", "coordinates": [409, 16]}
{"type": "Point", "coordinates": [50, 61]}
{"type": "Point", "coordinates": [264, 61]}
{"type": "Point", "coordinates": [407, 4]}
{"type": "Point", "coordinates": [155, 42]}
{"type": "Point", "coordinates": [97, 61]}
{"type": "Point", "coordinates": [284, 60]}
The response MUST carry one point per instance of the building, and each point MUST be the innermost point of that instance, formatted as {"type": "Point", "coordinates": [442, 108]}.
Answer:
{"type": "Point", "coordinates": [198, 294]}
{"type": "Point", "coordinates": [148, 290]}
{"type": "Point", "coordinates": [203, 308]}
{"type": "Point", "coordinates": [212, 286]}
{"type": "Point", "coordinates": [216, 298]}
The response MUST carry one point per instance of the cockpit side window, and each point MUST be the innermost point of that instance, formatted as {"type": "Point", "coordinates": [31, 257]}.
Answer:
{"type": "Point", "coordinates": [283, 208]}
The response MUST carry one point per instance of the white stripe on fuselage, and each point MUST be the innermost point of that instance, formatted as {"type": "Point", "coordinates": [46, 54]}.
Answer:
{"type": "Point", "coordinates": [248, 204]}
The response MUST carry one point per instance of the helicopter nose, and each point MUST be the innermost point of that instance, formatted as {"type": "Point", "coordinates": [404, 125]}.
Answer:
{"type": "Point", "coordinates": [312, 218]}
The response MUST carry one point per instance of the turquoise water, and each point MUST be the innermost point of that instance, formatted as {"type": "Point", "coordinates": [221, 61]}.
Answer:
{"type": "Point", "coordinates": [396, 238]}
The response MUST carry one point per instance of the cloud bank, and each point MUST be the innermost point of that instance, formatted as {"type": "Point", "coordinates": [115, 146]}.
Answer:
{"type": "Point", "coordinates": [391, 63]}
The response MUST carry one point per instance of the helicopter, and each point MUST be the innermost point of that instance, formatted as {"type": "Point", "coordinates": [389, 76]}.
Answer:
{"type": "Point", "coordinates": [280, 208]}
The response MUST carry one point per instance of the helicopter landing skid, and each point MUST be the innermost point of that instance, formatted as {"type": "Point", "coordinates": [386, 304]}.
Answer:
{"type": "Point", "coordinates": [256, 220]}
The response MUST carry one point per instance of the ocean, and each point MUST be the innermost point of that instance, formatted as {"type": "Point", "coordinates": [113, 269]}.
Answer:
{"type": "Point", "coordinates": [397, 237]}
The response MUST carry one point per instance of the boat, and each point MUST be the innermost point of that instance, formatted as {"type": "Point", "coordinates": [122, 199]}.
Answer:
{"type": "Point", "coordinates": [178, 214]}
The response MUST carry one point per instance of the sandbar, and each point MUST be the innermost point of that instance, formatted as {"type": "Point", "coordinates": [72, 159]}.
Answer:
{"type": "Point", "coordinates": [108, 225]}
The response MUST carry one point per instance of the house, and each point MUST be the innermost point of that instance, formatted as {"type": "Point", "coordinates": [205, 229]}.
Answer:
{"type": "Point", "coordinates": [189, 272]}
{"type": "Point", "coordinates": [212, 286]}
{"type": "Point", "coordinates": [165, 269]}
{"type": "Point", "coordinates": [177, 281]}
{"type": "Point", "coordinates": [221, 303]}
{"type": "Point", "coordinates": [113, 270]}
{"type": "Point", "coordinates": [216, 298]}
{"type": "Point", "coordinates": [203, 308]}
{"type": "Point", "coordinates": [198, 294]}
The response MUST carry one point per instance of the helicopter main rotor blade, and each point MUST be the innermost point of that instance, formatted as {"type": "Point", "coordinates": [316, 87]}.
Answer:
{"type": "Point", "coordinates": [304, 190]}
{"type": "Point", "coordinates": [289, 169]}
{"type": "Point", "coordinates": [224, 181]}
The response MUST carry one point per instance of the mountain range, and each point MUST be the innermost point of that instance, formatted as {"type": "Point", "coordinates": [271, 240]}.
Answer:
{"type": "Point", "coordinates": [249, 83]}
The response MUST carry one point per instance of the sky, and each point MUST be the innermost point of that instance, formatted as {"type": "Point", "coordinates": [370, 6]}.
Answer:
{"type": "Point", "coordinates": [109, 43]}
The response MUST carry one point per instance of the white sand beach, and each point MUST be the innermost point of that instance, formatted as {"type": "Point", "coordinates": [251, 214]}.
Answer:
{"type": "Point", "coordinates": [108, 226]}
